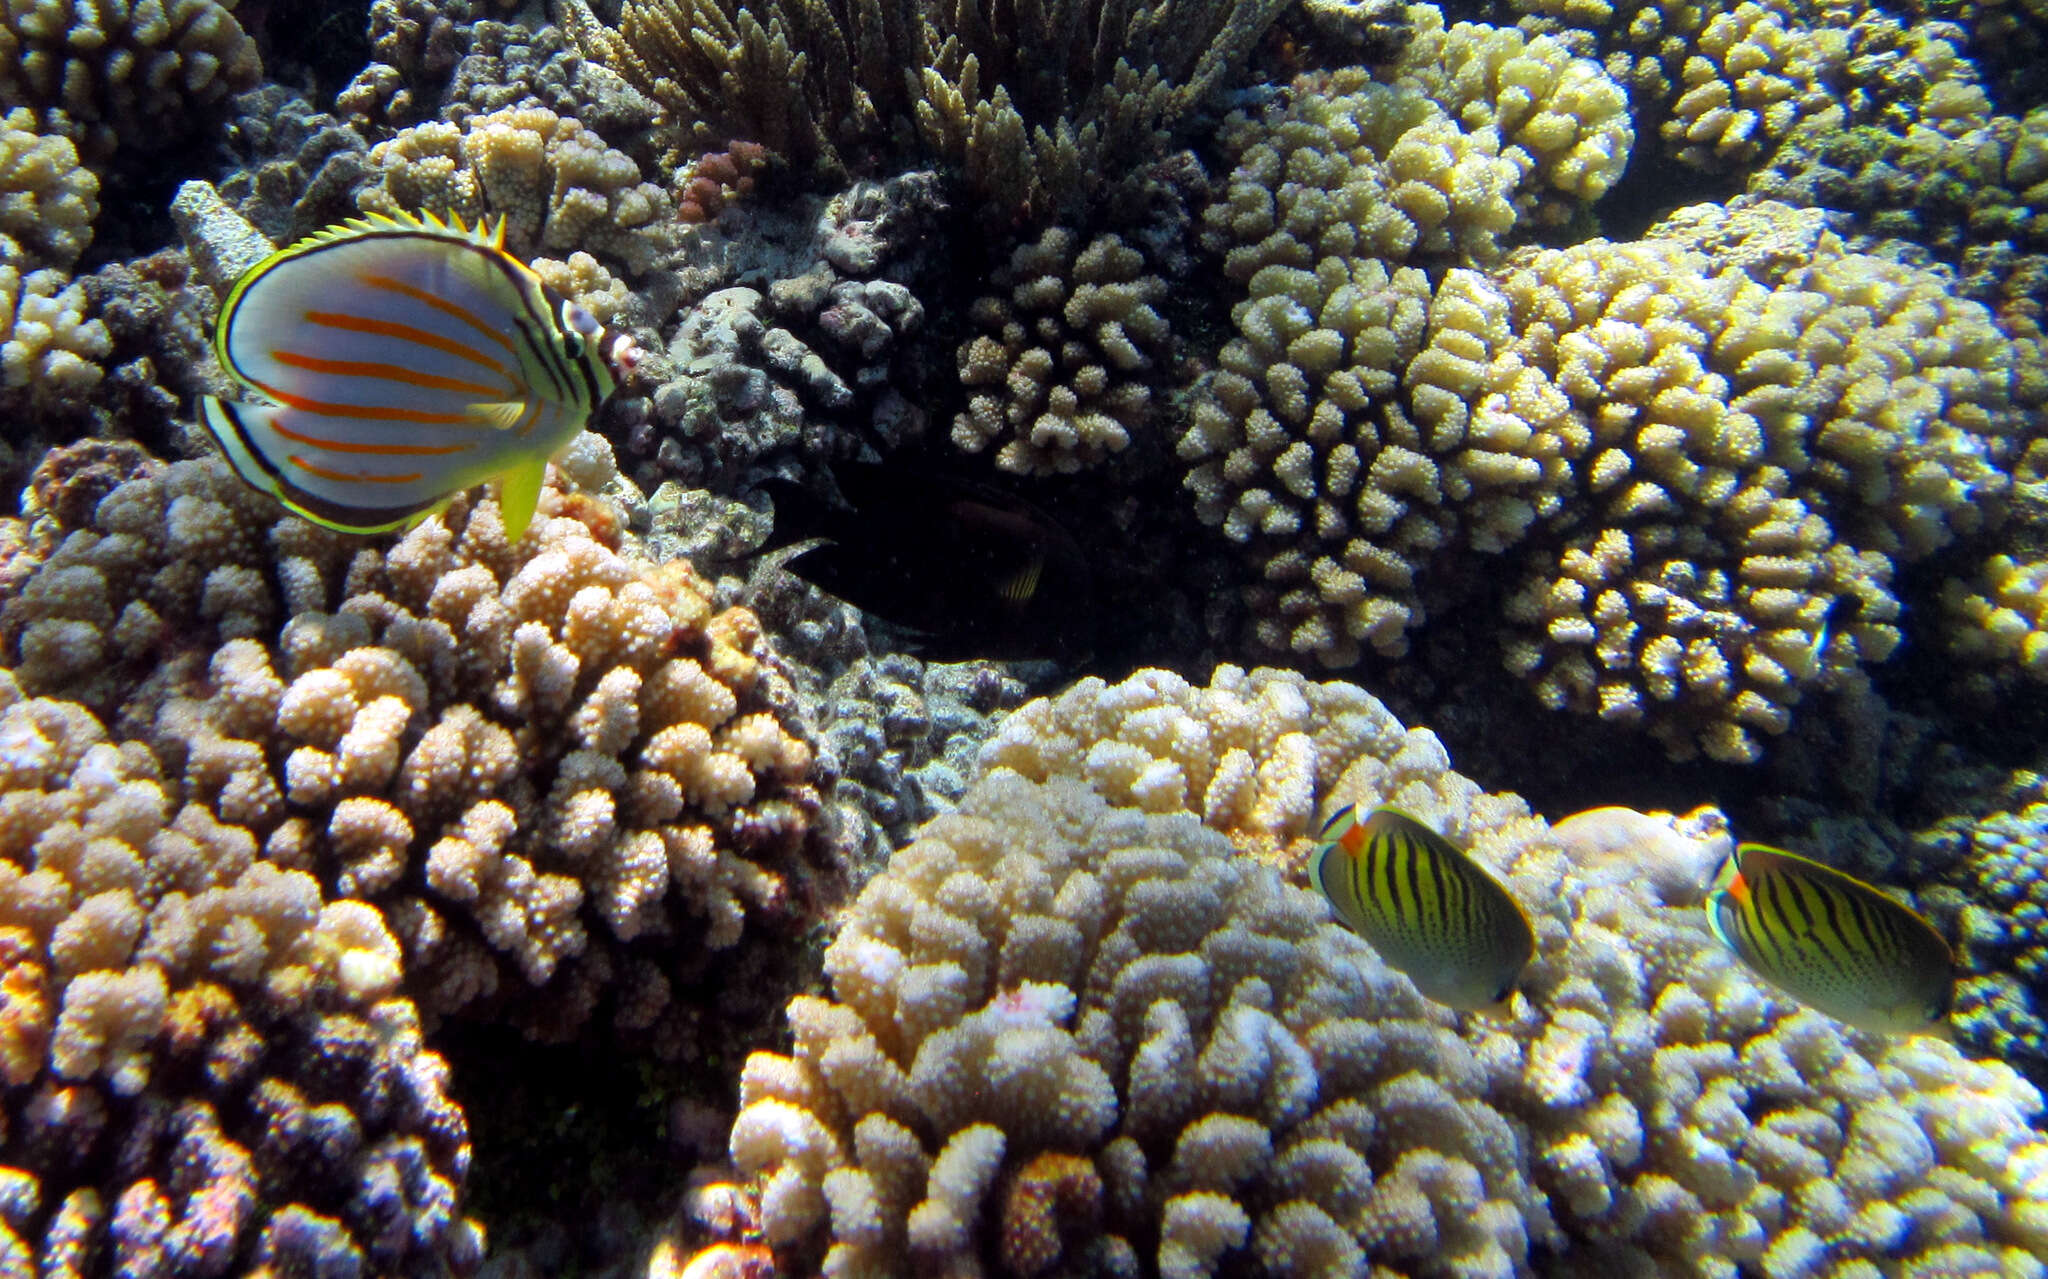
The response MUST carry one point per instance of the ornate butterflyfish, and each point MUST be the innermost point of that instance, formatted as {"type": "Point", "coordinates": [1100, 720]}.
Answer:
{"type": "Point", "coordinates": [394, 362]}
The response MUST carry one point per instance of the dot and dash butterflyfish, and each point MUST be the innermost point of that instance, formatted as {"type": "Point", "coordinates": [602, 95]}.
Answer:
{"type": "Point", "coordinates": [397, 361]}
{"type": "Point", "coordinates": [1425, 906]}
{"type": "Point", "coordinates": [1832, 941]}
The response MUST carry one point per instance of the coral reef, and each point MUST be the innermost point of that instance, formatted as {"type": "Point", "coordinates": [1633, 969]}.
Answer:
{"type": "Point", "coordinates": [1183, 1063]}
{"type": "Point", "coordinates": [1995, 859]}
{"type": "Point", "coordinates": [48, 200]}
{"type": "Point", "coordinates": [1562, 121]}
{"type": "Point", "coordinates": [50, 346]}
{"type": "Point", "coordinates": [1024, 109]}
{"type": "Point", "coordinates": [294, 168]}
{"type": "Point", "coordinates": [1707, 448]}
{"type": "Point", "coordinates": [298, 830]}
{"type": "Point", "coordinates": [109, 72]}
{"type": "Point", "coordinates": [416, 45]}
{"type": "Point", "coordinates": [526, 757]}
{"type": "Point", "coordinates": [1060, 371]}
{"type": "Point", "coordinates": [818, 358]}
{"type": "Point", "coordinates": [203, 1061]}
{"type": "Point", "coordinates": [2002, 617]}
{"type": "Point", "coordinates": [554, 181]}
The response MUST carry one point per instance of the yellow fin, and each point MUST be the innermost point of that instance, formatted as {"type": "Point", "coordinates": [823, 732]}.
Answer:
{"type": "Point", "coordinates": [499, 415]}
{"type": "Point", "coordinates": [485, 234]}
{"type": "Point", "coordinates": [1019, 587]}
{"type": "Point", "coordinates": [518, 495]}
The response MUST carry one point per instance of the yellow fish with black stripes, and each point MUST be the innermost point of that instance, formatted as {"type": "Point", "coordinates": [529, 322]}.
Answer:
{"type": "Point", "coordinates": [1832, 941]}
{"type": "Point", "coordinates": [1425, 906]}
{"type": "Point", "coordinates": [397, 361]}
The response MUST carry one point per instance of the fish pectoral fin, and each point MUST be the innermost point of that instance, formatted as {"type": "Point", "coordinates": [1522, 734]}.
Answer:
{"type": "Point", "coordinates": [499, 415]}
{"type": "Point", "coordinates": [518, 495]}
{"type": "Point", "coordinates": [1502, 1009]}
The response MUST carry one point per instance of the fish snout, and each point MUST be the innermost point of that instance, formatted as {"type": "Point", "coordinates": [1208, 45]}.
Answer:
{"type": "Point", "coordinates": [623, 354]}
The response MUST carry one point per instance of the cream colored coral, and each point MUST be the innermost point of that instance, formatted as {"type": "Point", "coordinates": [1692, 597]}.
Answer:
{"type": "Point", "coordinates": [970, 1012]}
{"type": "Point", "coordinates": [584, 279]}
{"type": "Point", "coordinates": [1750, 79]}
{"type": "Point", "coordinates": [50, 348]}
{"type": "Point", "coordinates": [48, 200]}
{"type": "Point", "coordinates": [123, 71]}
{"type": "Point", "coordinates": [521, 756]}
{"type": "Point", "coordinates": [1761, 432]}
{"type": "Point", "coordinates": [1337, 441]}
{"type": "Point", "coordinates": [1250, 752]}
{"type": "Point", "coordinates": [1059, 368]}
{"type": "Point", "coordinates": [1647, 1106]}
{"type": "Point", "coordinates": [2002, 616]}
{"type": "Point", "coordinates": [556, 183]}
{"type": "Point", "coordinates": [1357, 169]}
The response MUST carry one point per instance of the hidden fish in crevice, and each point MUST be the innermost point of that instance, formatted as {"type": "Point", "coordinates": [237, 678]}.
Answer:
{"type": "Point", "coordinates": [966, 570]}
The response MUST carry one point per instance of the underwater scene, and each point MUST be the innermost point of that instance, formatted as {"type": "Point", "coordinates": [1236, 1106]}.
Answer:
{"type": "Point", "coordinates": [727, 639]}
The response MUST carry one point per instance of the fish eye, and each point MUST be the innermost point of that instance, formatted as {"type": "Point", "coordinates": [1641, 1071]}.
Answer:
{"type": "Point", "coordinates": [579, 320]}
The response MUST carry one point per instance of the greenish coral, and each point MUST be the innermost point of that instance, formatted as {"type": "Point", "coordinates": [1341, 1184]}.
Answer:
{"type": "Point", "coordinates": [109, 73]}
{"type": "Point", "coordinates": [1026, 108]}
{"type": "Point", "coordinates": [1701, 452]}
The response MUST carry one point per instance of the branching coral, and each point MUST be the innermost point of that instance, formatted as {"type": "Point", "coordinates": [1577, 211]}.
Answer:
{"type": "Point", "coordinates": [1059, 370]}
{"type": "Point", "coordinates": [1758, 450]}
{"type": "Point", "coordinates": [2002, 617]}
{"type": "Point", "coordinates": [526, 757]}
{"type": "Point", "coordinates": [1706, 448]}
{"type": "Point", "coordinates": [555, 182]}
{"type": "Point", "coordinates": [1064, 1032]}
{"type": "Point", "coordinates": [1025, 108]}
{"type": "Point", "coordinates": [50, 348]}
{"type": "Point", "coordinates": [825, 361]}
{"type": "Point", "coordinates": [48, 200]}
{"type": "Point", "coordinates": [1999, 864]}
{"type": "Point", "coordinates": [1558, 117]}
{"type": "Point", "coordinates": [201, 1059]}
{"type": "Point", "coordinates": [114, 71]}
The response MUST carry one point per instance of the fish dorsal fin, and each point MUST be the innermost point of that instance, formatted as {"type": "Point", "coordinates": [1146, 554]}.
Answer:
{"type": "Point", "coordinates": [485, 235]}
{"type": "Point", "coordinates": [499, 415]}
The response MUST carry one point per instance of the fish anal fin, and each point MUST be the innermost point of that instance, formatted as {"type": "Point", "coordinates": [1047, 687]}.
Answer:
{"type": "Point", "coordinates": [428, 514]}
{"type": "Point", "coordinates": [499, 415]}
{"type": "Point", "coordinates": [518, 495]}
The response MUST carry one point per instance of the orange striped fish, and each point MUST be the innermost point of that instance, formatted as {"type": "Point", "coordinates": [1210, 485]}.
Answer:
{"type": "Point", "coordinates": [1425, 906]}
{"type": "Point", "coordinates": [398, 361]}
{"type": "Point", "coordinates": [1832, 941]}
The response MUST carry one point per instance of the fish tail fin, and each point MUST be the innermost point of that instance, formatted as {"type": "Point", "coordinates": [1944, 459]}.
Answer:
{"type": "Point", "coordinates": [518, 495]}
